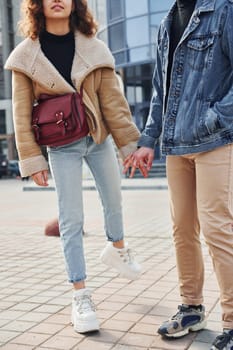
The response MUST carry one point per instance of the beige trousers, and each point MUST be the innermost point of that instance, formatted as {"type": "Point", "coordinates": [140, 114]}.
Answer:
{"type": "Point", "coordinates": [201, 196]}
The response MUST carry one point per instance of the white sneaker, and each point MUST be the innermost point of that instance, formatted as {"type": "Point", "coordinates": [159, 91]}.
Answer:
{"type": "Point", "coordinates": [122, 260]}
{"type": "Point", "coordinates": [83, 312]}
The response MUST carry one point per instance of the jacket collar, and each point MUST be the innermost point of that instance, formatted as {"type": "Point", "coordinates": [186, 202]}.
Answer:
{"type": "Point", "coordinates": [205, 5]}
{"type": "Point", "coordinates": [90, 54]}
{"type": "Point", "coordinates": [201, 6]}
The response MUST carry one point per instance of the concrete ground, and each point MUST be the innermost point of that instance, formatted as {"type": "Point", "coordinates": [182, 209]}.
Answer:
{"type": "Point", "coordinates": [35, 296]}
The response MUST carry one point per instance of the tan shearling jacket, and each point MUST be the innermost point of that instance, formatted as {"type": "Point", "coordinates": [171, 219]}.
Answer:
{"type": "Point", "coordinates": [93, 66]}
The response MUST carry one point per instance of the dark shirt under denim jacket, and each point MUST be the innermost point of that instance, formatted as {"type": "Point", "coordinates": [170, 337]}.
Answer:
{"type": "Point", "coordinates": [198, 115]}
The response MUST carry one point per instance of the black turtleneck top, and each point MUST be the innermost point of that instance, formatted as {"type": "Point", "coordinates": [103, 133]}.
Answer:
{"type": "Point", "coordinates": [59, 49]}
{"type": "Point", "coordinates": [182, 13]}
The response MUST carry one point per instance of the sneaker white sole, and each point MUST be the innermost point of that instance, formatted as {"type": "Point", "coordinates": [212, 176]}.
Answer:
{"type": "Point", "coordinates": [195, 328]}
{"type": "Point", "coordinates": [122, 273]}
{"type": "Point", "coordinates": [86, 326]}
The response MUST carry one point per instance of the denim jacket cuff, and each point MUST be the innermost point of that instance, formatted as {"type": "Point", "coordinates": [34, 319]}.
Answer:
{"type": "Point", "coordinates": [147, 141]}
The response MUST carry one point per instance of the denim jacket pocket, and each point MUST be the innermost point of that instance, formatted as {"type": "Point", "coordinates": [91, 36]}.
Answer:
{"type": "Point", "coordinates": [200, 51]}
{"type": "Point", "coordinates": [208, 123]}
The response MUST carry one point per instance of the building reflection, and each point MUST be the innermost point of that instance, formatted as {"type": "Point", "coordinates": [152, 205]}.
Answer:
{"type": "Point", "coordinates": [129, 28]}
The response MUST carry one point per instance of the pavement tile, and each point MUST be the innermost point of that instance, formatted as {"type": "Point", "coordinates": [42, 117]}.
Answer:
{"type": "Point", "coordinates": [152, 319]}
{"type": "Point", "coordinates": [12, 346]}
{"type": "Point", "coordinates": [146, 301]}
{"type": "Point", "coordinates": [106, 336]}
{"type": "Point", "coordinates": [118, 325]}
{"type": "Point", "coordinates": [106, 305]}
{"type": "Point", "coordinates": [137, 308]}
{"type": "Point", "coordinates": [34, 316]}
{"type": "Point", "coordinates": [129, 316]}
{"type": "Point", "coordinates": [58, 319]}
{"type": "Point", "coordinates": [11, 314]}
{"type": "Point", "coordinates": [28, 338]}
{"type": "Point", "coordinates": [172, 344]}
{"type": "Point", "coordinates": [49, 308]}
{"type": "Point", "coordinates": [47, 328]}
{"type": "Point", "coordinates": [89, 344]}
{"type": "Point", "coordinates": [61, 343]}
{"type": "Point", "coordinates": [144, 328]}
{"type": "Point", "coordinates": [61, 301]}
{"type": "Point", "coordinates": [5, 304]}
{"type": "Point", "coordinates": [68, 331]}
{"type": "Point", "coordinates": [25, 306]}
{"type": "Point", "coordinates": [6, 336]}
{"type": "Point", "coordinates": [35, 297]}
{"type": "Point", "coordinates": [105, 314]}
{"type": "Point", "coordinates": [207, 336]}
{"type": "Point", "coordinates": [3, 322]}
{"type": "Point", "coordinates": [127, 347]}
{"type": "Point", "coordinates": [134, 339]}
{"type": "Point", "coordinates": [18, 326]}
{"type": "Point", "coordinates": [120, 298]}
{"type": "Point", "coordinates": [196, 345]}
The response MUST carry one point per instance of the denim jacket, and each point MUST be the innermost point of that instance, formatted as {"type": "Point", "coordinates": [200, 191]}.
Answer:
{"type": "Point", "coordinates": [199, 112]}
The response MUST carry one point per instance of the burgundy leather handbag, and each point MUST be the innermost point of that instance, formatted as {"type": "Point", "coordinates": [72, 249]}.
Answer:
{"type": "Point", "coordinates": [59, 119]}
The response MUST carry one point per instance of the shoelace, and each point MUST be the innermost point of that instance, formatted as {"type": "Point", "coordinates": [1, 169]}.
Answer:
{"type": "Point", "coordinates": [84, 304]}
{"type": "Point", "coordinates": [222, 340]}
{"type": "Point", "coordinates": [182, 309]}
{"type": "Point", "coordinates": [127, 255]}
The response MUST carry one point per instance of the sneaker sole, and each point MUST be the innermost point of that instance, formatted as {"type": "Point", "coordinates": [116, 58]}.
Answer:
{"type": "Point", "coordinates": [122, 274]}
{"type": "Point", "coordinates": [194, 328]}
{"type": "Point", "coordinates": [85, 327]}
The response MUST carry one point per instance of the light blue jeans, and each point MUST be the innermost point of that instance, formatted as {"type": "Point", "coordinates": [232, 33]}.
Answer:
{"type": "Point", "coordinates": [66, 166]}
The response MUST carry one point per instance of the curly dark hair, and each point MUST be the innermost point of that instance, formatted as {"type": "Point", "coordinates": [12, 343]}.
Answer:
{"type": "Point", "coordinates": [33, 19]}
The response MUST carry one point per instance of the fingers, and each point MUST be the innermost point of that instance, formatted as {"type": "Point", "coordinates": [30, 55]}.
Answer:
{"type": "Point", "coordinates": [127, 165]}
{"type": "Point", "coordinates": [132, 171]}
{"type": "Point", "coordinates": [150, 161]}
{"type": "Point", "coordinates": [142, 159]}
{"type": "Point", "coordinates": [144, 170]}
{"type": "Point", "coordinates": [41, 178]}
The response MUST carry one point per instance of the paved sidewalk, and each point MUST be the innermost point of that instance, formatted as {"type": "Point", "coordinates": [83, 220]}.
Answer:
{"type": "Point", "coordinates": [35, 296]}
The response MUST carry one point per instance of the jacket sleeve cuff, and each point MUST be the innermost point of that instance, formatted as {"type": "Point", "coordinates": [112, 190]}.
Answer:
{"type": "Point", "coordinates": [32, 165]}
{"type": "Point", "coordinates": [128, 149]}
{"type": "Point", "coordinates": [147, 141]}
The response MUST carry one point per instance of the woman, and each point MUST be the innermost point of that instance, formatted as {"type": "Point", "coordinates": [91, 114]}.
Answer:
{"type": "Point", "coordinates": [59, 55]}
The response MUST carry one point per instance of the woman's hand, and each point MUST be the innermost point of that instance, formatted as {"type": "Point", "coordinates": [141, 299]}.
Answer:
{"type": "Point", "coordinates": [41, 178]}
{"type": "Point", "coordinates": [141, 159]}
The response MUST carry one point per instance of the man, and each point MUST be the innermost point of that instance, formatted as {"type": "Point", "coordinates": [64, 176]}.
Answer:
{"type": "Point", "coordinates": [192, 111]}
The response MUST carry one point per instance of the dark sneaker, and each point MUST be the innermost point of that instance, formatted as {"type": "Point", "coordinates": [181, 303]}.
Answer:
{"type": "Point", "coordinates": [185, 320]}
{"type": "Point", "coordinates": [223, 341]}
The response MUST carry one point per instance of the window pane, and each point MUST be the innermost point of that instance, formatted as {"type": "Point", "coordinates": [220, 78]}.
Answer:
{"type": "Point", "coordinates": [2, 122]}
{"type": "Point", "coordinates": [120, 58]}
{"type": "Point", "coordinates": [160, 5]}
{"type": "Point", "coordinates": [115, 9]}
{"type": "Point", "coordinates": [135, 8]}
{"type": "Point", "coordinates": [116, 37]}
{"type": "Point", "coordinates": [130, 94]}
{"type": "Point", "coordinates": [1, 74]}
{"type": "Point", "coordinates": [136, 37]}
{"type": "Point", "coordinates": [138, 91]}
{"type": "Point", "coordinates": [155, 21]}
{"type": "Point", "coordinates": [140, 54]}
{"type": "Point", "coordinates": [103, 36]}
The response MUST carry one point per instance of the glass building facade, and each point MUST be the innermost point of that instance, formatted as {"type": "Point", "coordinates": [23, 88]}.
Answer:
{"type": "Point", "coordinates": [9, 11]}
{"type": "Point", "coordinates": [129, 28]}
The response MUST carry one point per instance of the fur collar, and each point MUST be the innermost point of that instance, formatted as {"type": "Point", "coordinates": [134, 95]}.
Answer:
{"type": "Point", "coordinates": [90, 54]}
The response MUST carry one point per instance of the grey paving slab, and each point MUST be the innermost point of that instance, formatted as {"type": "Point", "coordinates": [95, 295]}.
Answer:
{"type": "Point", "coordinates": [35, 296]}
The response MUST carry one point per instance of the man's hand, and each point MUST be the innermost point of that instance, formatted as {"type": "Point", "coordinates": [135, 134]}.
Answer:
{"type": "Point", "coordinates": [41, 178]}
{"type": "Point", "coordinates": [141, 159]}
